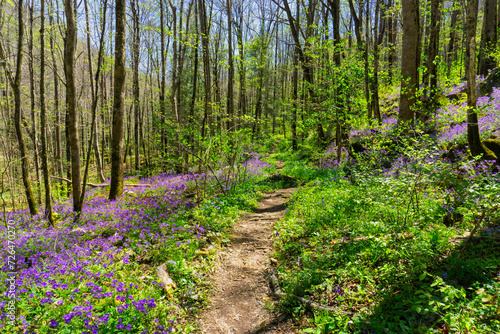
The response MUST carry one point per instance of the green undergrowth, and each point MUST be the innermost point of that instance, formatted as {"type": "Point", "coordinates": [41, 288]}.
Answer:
{"type": "Point", "coordinates": [381, 251]}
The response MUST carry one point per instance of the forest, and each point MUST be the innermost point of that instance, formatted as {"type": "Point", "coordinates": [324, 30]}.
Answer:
{"type": "Point", "coordinates": [238, 166]}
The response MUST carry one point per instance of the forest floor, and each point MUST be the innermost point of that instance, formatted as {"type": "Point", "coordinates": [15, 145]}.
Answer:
{"type": "Point", "coordinates": [242, 301]}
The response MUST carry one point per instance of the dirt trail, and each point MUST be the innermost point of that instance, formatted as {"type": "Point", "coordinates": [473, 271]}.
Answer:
{"type": "Point", "coordinates": [241, 280]}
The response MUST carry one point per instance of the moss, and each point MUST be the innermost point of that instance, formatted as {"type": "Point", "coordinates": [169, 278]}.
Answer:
{"type": "Point", "coordinates": [493, 146]}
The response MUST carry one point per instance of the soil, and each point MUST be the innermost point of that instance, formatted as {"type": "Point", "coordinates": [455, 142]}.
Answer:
{"type": "Point", "coordinates": [243, 298]}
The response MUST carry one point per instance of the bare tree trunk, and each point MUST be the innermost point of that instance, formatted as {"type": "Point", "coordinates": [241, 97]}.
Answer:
{"type": "Point", "coordinates": [295, 97]}
{"type": "Point", "coordinates": [72, 114]}
{"type": "Point", "coordinates": [162, 84]}
{"type": "Point", "coordinates": [94, 88]}
{"type": "Point", "coordinates": [43, 115]}
{"type": "Point", "coordinates": [488, 38]}
{"type": "Point", "coordinates": [195, 84]}
{"type": "Point", "coordinates": [33, 133]}
{"type": "Point", "coordinates": [357, 24]}
{"type": "Point", "coordinates": [116, 186]}
{"type": "Point", "coordinates": [410, 61]}
{"type": "Point", "coordinates": [206, 67]}
{"type": "Point", "coordinates": [430, 77]}
{"type": "Point", "coordinates": [451, 54]}
{"type": "Point", "coordinates": [58, 155]}
{"type": "Point", "coordinates": [242, 101]}
{"type": "Point", "coordinates": [378, 36]}
{"type": "Point", "coordinates": [391, 31]}
{"type": "Point", "coordinates": [15, 82]}
{"type": "Point", "coordinates": [230, 75]}
{"type": "Point", "coordinates": [134, 4]}
{"type": "Point", "coordinates": [367, 69]}
{"type": "Point", "coordinates": [475, 145]}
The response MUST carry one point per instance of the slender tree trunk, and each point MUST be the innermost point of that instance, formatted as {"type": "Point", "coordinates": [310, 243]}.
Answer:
{"type": "Point", "coordinates": [15, 82]}
{"type": "Point", "coordinates": [43, 115]}
{"type": "Point", "coordinates": [206, 68]}
{"type": "Point", "coordinates": [72, 114]}
{"type": "Point", "coordinates": [378, 36]}
{"type": "Point", "coordinates": [191, 118]}
{"type": "Point", "coordinates": [94, 88]}
{"type": "Point", "coordinates": [242, 101]}
{"type": "Point", "coordinates": [367, 69]}
{"type": "Point", "coordinates": [451, 54]}
{"type": "Point", "coordinates": [357, 24]}
{"type": "Point", "coordinates": [163, 113]}
{"type": "Point", "coordinates": [34, 133]}
{"type": "Point", "coordinates": [295, 97]}
{"type": "Point", "coordinates": [134, 4]}
{"type": "Point", "coordinates": [410, 61]}
{"type": "Point", "coordinates": [391, 27]}
{"type": "Point", "coordinates": [488, 45]}
{"type": "Point", "coordinates": [475, 145]}
{"type": "Point", "coordinates": [116, 186]}
{"type": "Point", "coordinates": [230, 75]}
{"type": "Point", "coordinates": [57, 112]}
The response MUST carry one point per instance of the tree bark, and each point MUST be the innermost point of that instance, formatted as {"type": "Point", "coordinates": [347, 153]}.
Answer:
{"type": "Point", "coordinates": [430, 77]}
{"type": "Point", "coordinates": [451, 54]}
{"type": "Point", "coordinates": [230, 75]}
{"type": "Point", "coordinates": [206, 68]}
{"type": "Point", "coordinates": [134, 4]}
{"type": "Point", "coordinates": [43, 116]}
{"type": "Point", "coordinates": [367, 69]}
{"type": "Point", "coordinates": [15, 82]}
{"type": "Point", "coordinates": [242, 101]}
{"type": "Point", "coordinates": [488, 38]}
{"type": "Point", "coordinates": [57, 112]}
{"type": "Point", "coordinates": [473, 137]}
{"type": "Point", "coordinates": [378, 36]}
{"type": "Point", "coordinates": [33, 133]}
{"type": "Point", "coordinates": [72, 113]}
{"type": "Point", "coordinates": [116, 187]}
{"type": "Point", "coordinates": [163, 113]}
{"type": "Point", "coordinates": [410, 59]}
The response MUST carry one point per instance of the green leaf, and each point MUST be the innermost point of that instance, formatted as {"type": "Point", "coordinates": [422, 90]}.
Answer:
{"type": "Point", "coordinates": [308, 330]}
{"type": "Point", "coordinates": [422, 276]}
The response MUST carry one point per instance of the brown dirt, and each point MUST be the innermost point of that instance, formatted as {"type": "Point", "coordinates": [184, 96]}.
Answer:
{"type": "Point", "coordinates": [242, 291]}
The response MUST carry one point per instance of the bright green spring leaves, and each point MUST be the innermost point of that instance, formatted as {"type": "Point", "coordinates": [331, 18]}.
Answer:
{"type": "Point", "coordinates": [384, 260]}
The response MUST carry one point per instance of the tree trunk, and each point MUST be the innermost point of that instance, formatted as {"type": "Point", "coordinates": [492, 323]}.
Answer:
{"type": "Point", "coordinates": [230, 75]}
{"type": "Point", "coordinates": [15, 82]}
{"type": "Point", "coordinates": [488, 38]}
{"type": "Point", "coordinates": [378, 36]}
{"type": "Point", "coordinates": [475, 145]}
{"type": "Point", "coordinates": [58, 155]}
{"type": "Point", "coordinates": [33, 133]}
{"type": "Point", "coordinates": [391, 31]}
{"type": "Point", "coordinates": [241, 70]}
{"type": "Point", "coordinates": [367, 69]}
{"type": "Point", "coordinates": [357, 24]}
{"type": "Point", "coordinates": [116, 186]}
{"type": "Point", "coordinates": [163, 56]}
{"type": "Point", "coordinates": [206, 68]}
{"type": "Point", "coordinates": [451, 54]}
{"type": "Point", "coordinates": [410, 59]}
{"type": "Point", "coordinates": [295, 97]}
{"type": "Point", "coordinates": [191, 118]}
{"type": "Point", "coordinates": [134, 4]}
{"type": "Point", "coordinates": [94, 88]}
{"type": "Point", "coordinates": [43, 115]}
